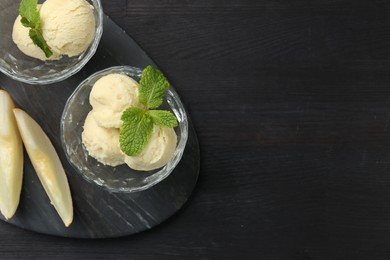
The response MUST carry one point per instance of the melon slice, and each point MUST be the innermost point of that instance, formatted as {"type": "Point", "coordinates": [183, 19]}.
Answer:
{"type": "Point", "coordinates": [11, 158]}
{"type": "Point", "coordinates": [47, 165]}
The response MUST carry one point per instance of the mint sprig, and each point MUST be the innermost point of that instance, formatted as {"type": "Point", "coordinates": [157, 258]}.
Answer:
{"type": "Point", "coordinates": [137, 127]}
{"type": "Point", "coordinates": [28, 10]}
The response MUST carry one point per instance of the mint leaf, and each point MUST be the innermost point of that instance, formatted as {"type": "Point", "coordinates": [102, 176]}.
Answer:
{"type": "Point", "coordinates": [152, 88]}
{"type": "Point", "coordinates": [38, 40]}
{"type": "Point", "coordinates": [135, 131]}
{"type": "Point", "coordinates": [28, 10]}
{"type": "Point", "coordinates": [163, 118]}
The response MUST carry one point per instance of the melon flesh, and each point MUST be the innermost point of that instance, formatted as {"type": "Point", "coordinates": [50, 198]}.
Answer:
{"type": "Point", "coordinates": [11, 158]}
{"type": "Point", "coordinates": [47, 165]}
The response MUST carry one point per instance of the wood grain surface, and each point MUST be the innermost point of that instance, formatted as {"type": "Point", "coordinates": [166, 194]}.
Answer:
{"type": "Point", "coordinates": [291, 103]}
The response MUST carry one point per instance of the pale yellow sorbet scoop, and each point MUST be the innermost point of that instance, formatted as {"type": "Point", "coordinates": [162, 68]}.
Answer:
{"type": "Point", "coordinates": [157, 152]}
{"type": "Point", "coordinates": [26, 45]}
{"type": "Point", "coordinates": [68, 26]}
{"type": "Point", "coordinates": [102, 143]}
{"type": "Point", "coordinates": [110, 96]}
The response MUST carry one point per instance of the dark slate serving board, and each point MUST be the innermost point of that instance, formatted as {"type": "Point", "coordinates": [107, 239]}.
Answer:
{"type": "Point", "coordinates": [97, 212]}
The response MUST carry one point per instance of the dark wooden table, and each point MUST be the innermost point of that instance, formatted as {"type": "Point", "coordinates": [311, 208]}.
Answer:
{"type": "Point", "coordinates": [291, 102]}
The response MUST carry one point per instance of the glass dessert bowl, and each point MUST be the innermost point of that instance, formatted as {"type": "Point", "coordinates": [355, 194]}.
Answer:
{"type": "Point", "coordinates": [120, 178]}
{"type": "Point", "coordinates": [21, 67]}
